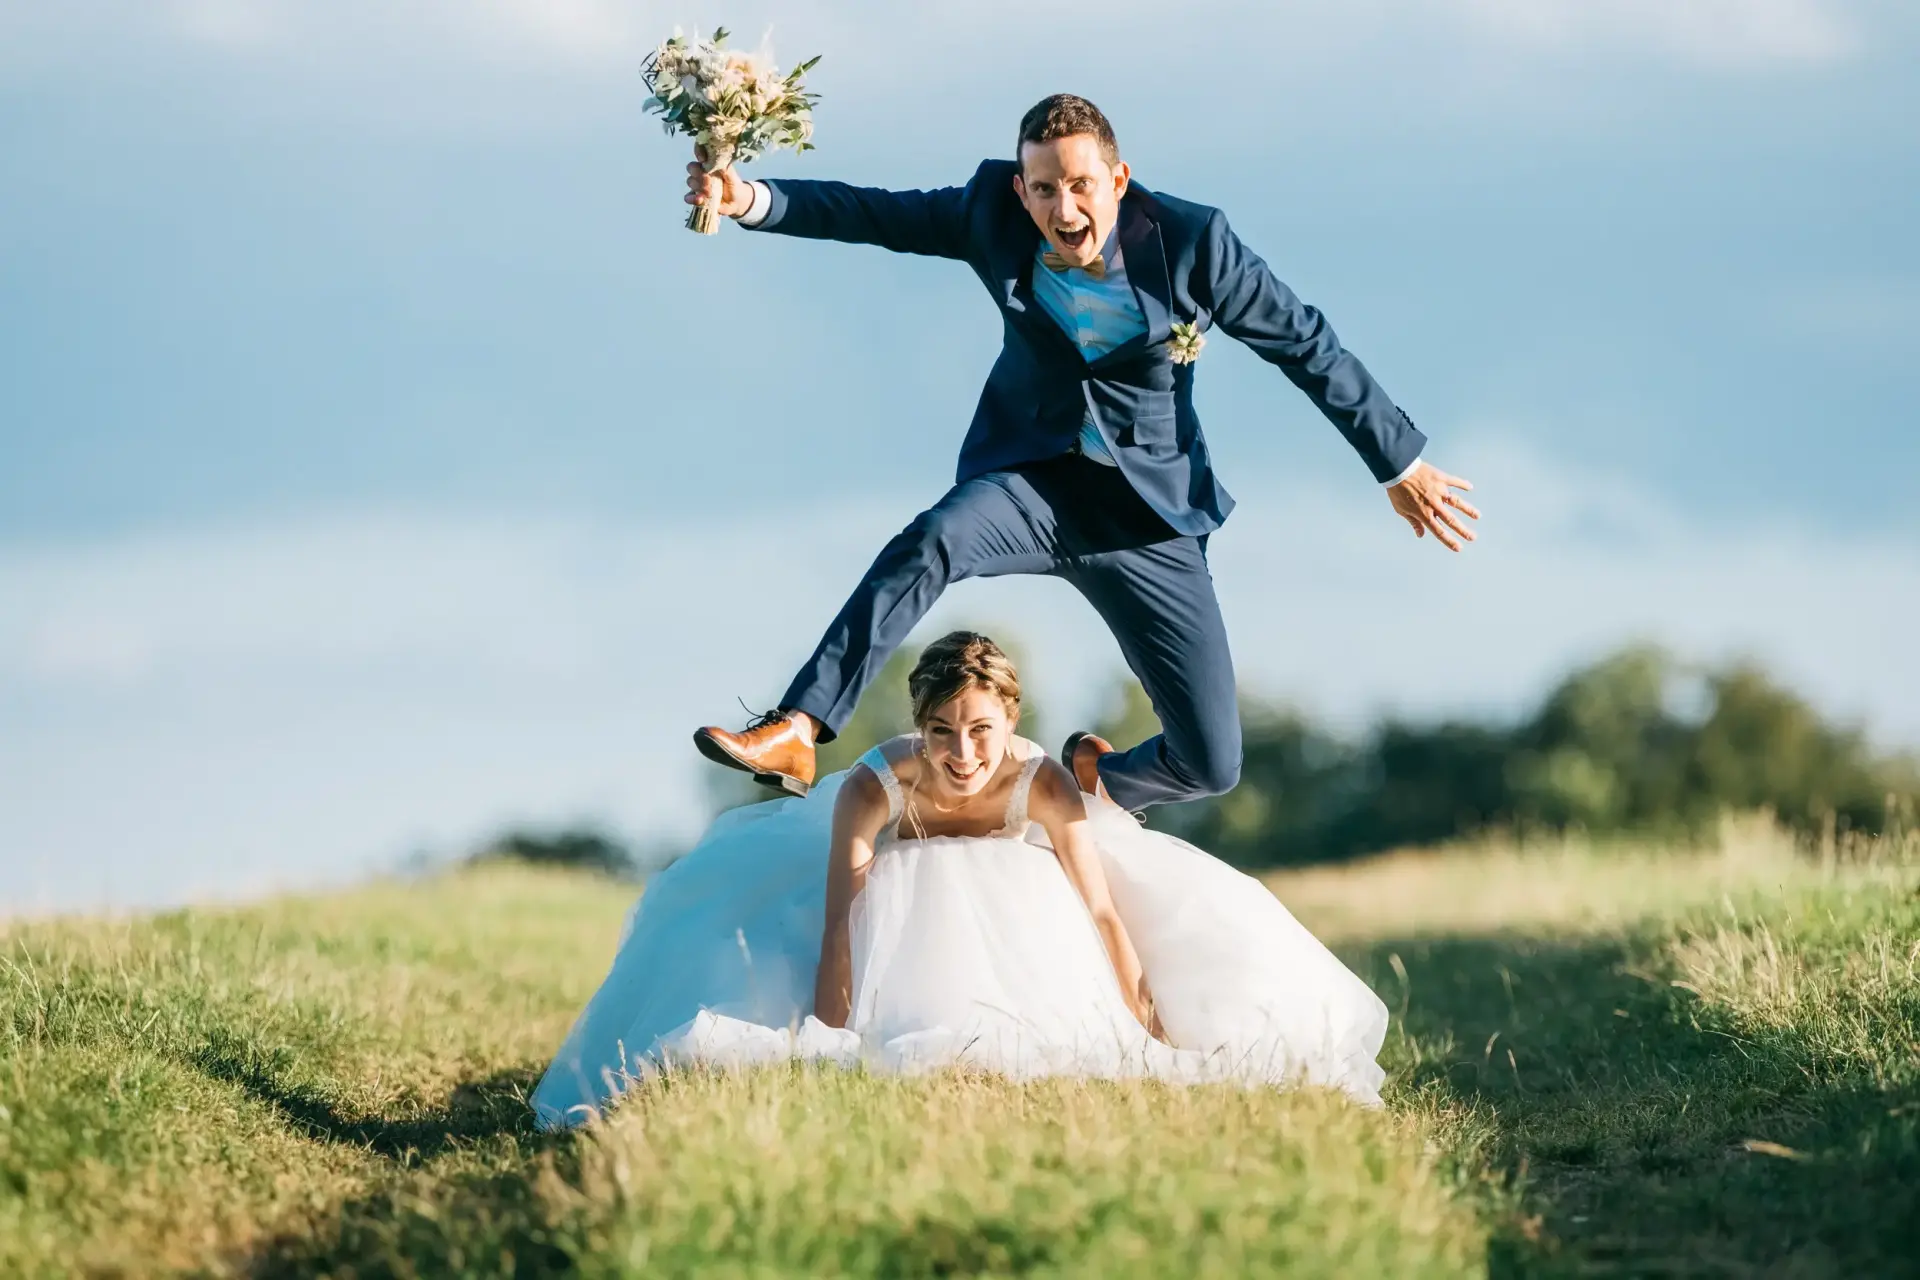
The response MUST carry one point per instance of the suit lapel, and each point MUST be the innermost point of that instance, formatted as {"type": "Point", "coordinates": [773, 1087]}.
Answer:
{"type": "Point", "coordinates": [1145, 257]}
{"type": "Point", "coordinates": [1019, 250]}
{"type": "Point", "coordinates": [1018, 273]}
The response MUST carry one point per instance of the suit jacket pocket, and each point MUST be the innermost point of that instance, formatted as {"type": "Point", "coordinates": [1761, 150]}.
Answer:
{"type": "Point", "coordinates": [1150, 430]}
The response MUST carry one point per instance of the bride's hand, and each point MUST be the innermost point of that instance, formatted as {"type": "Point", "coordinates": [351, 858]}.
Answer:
{"type": "Point", "coordinates": [727, 192]}
{"type": "Point", "coordinates": [1148, 1012]}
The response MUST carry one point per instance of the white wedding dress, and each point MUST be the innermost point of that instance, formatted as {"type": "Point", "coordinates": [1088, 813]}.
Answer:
{"type": "Point", "coordinates": [967, 951]}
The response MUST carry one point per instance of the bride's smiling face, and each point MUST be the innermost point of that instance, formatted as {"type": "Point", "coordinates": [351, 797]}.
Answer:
{"type": "Point", "coordinates": [966, 739]}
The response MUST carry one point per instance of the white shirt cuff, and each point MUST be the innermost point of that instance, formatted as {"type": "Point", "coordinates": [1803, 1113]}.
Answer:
{"type": "Point", "coordinates": [757, 211]}
{"type": "Point", "coordinates": [1412, 467]}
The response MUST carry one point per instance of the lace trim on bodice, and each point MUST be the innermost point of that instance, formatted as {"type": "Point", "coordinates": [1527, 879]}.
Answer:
{"type": "Point", "coordinates": [1014, 825]}
{"type": "Point", "coordinates": [1017, 821]}
{"type": "Point", "coordinates": [896, 803]}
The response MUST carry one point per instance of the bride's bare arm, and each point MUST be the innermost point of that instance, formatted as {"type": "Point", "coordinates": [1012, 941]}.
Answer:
{"type": "Point", "coordinates": [859, 811]}
{"type": "Point", "coordinates": [1057, 805]}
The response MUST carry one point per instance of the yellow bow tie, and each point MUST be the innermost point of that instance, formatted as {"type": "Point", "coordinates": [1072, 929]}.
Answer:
{"type": "Point", "coordinates": [1054, 262]}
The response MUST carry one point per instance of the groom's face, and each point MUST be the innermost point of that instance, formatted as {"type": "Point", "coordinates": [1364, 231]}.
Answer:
{"type": "Point", "coordinates": [1072, 193]}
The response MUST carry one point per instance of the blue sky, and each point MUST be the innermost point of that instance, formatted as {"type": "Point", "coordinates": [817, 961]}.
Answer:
{"type": "Point", "coordinates": [364, 409]}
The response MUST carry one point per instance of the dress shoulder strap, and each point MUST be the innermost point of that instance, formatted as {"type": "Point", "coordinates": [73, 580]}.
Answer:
{"type": "Point", "coordinates": [1017, 819]}
{"type": "Point", "coordinates": [876, 760]}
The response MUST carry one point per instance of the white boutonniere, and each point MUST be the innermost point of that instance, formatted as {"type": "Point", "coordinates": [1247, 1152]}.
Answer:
{"type": "Point", "coordinates": [1185, 344]}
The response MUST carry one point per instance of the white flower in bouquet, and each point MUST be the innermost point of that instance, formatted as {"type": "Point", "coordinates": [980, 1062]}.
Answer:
{"type": "Point", "coordinates": [735, 106]}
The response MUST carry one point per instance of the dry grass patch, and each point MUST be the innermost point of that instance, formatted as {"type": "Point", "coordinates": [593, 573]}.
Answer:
{"type": "Point", "coordinates": [1547, 884]}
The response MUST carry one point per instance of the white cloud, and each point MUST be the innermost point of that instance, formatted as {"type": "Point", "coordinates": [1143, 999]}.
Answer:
{"type": "Point", "coordinates": [535, 30]}
{"type": "Point", "coordinates": [237, 25]}
{"type": "Point", "coordinates": [196, 713]}
{"type": "Point", "coordinates": [435, 43]}
{"type": "Point", "coordinates": [1710, 32]}
{"type": "Point", "coordinates": [866, 39]}
{"type": "Point", "coordinates": [1572, 562]}
{"type": "Point", "coordinates": [1875, 315]}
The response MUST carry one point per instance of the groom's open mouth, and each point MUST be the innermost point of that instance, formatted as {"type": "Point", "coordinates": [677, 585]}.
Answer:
{"type": "Point", "coordinates": [1075, 239]}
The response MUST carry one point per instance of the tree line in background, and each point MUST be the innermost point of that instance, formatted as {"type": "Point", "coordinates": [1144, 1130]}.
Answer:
{"type": "Point", "coordinates": [1638, 742]}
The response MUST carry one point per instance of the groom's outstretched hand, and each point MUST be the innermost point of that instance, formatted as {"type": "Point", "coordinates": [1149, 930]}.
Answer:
{"type": "Point", "coordinates": [1427, 501]}
{"type": "Point", "coordinates": [730, 194]}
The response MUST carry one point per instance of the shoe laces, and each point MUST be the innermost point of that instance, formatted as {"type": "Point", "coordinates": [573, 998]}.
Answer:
{"type": "Point", "coordinates": [763, 719]}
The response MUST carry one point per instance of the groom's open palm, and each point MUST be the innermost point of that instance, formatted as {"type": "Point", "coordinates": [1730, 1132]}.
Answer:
{"type": "Point", "coordinates": [1427, 501]}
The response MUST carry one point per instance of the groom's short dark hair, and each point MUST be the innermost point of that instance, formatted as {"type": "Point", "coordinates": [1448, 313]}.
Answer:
{"type": "Point", "coordinates": [1063, 115]}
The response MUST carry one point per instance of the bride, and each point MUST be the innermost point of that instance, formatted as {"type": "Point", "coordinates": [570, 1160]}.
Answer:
{"type": "Point", "coordinates": [955, 900]}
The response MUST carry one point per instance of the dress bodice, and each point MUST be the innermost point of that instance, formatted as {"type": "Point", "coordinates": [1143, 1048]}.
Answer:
{"type": "Point", "coordinates": [1013, 826]}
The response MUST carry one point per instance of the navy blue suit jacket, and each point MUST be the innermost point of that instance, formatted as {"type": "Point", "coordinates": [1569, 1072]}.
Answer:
{"type": "Point", "coordinates": [1185, 265]}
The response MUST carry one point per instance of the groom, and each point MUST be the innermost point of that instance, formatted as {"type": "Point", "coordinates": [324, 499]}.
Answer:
{"type": "Point", "coordinates": [1084, 459]}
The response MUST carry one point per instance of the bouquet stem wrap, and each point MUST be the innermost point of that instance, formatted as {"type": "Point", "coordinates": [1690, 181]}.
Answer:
{"type": "Point", "coordinates": [735, 106]}
{"type": "Point", "coordinates": [705, 218]}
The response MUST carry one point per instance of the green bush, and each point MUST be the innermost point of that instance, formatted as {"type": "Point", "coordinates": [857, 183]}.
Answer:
{"type": "Point", "coordinates": [578, 848]}
{"type": "Point", "coordinates": [1636, 742]}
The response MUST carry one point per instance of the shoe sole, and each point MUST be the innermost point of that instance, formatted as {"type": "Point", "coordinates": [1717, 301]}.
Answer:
{"type": "Point", "coordinates": [1066, 757]}
{"type": "Point", "coordinates": [717, 753]}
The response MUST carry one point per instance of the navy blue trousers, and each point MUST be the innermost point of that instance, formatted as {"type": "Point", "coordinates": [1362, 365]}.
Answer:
{"type": "Point", "coordinates": [1067, 518]}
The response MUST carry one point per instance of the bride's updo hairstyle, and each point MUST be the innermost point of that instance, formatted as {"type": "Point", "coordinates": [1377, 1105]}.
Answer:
{"type": "Point", "coordinates": [955, 663]}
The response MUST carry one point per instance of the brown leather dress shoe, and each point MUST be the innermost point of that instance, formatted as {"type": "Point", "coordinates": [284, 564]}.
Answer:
{"type": "Point", "coordinates": [776, 748]}
{"type": "Point", "coordinates": [1082, 755]}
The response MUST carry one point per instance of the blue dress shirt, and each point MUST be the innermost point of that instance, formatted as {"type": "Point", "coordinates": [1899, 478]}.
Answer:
{"type": "Point", "coordinates": [1098, 314]}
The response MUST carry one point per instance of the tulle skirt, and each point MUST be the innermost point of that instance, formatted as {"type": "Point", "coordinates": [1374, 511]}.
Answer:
{"type": "Point", "coordinates": [967, 952]}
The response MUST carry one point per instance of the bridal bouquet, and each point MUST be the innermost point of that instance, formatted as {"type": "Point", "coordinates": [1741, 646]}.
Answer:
{"type": "Point", "coordinates": [735, 106]}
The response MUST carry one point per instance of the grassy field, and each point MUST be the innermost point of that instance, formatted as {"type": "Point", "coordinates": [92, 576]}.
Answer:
{"type": "Point", "coordinates": [1604, 1061]}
